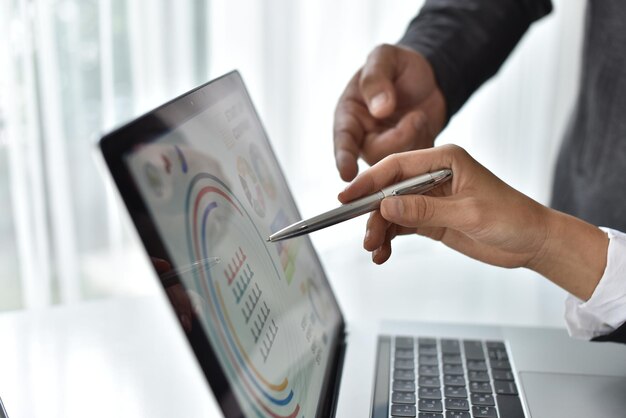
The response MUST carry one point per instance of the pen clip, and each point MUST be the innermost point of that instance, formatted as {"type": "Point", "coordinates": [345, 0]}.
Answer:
{"type": "Point", "coordinates": [414, 189]}
{"type": "Point", "coordinates": [421, 184]}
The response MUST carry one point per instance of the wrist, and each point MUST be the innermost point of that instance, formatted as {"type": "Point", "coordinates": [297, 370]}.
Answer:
{"type": "Point", "coordinates": [573, 254]}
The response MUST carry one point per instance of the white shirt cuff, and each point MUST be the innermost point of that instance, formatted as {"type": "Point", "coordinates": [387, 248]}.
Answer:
{"type": "Point", "coordinates": [605, 310]}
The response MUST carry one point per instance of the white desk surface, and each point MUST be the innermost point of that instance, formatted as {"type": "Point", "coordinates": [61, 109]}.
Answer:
{"type": "Point", "coordinates": [126, 357]}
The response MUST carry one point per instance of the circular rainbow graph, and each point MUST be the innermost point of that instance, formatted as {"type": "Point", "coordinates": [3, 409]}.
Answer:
{"type": "Point", "coordinates": [241, 292]}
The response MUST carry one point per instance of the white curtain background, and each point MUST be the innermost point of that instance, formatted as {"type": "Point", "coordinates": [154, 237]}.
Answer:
{"type": "Point", "coordinates": [72, 69]}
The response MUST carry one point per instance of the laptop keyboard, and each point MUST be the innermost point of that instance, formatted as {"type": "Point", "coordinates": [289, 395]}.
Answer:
{"type": "Point", "coordinates": [451, 378]}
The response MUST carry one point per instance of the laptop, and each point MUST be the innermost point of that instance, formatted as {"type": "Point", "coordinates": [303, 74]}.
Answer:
{"type": "Point", "coordinates": [205, 190]}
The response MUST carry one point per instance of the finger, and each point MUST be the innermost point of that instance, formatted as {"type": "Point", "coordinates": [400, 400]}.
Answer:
{"type": "Point", "coordinates": [348, 131]}
{"type": "Point", "coordinates": [428, 211]}
{"type": "Point", "coordinates": [161, 265]}
{"type": "Point", "coordinates": [346, 154]}
{"type": "Point", "coordinates": [410, 133]}
{"type": "Point", "coordinates": [397, 167]}
{"type": "Point", "coordinates": [376, 81]}
{"type": "Point", "coordinates": [376, 230]}
{"type": "Point", "coordinates": [382, 253]}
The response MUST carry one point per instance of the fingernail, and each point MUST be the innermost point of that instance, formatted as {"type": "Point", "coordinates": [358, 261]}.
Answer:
{"type": "Point", "coordinates": [378, 102]}
{"type": "Point", "coordinates": [395, 207]}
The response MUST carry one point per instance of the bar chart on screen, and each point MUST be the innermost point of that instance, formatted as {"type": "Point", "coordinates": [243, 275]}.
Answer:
{"type": "Point", "coordinates": [244, 294]}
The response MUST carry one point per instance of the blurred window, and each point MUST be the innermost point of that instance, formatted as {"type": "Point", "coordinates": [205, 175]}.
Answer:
{"type": "Point", "coordinates": [72, 69]}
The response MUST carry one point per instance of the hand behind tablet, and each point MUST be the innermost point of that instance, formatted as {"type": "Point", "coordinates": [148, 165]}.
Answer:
{"type": "Point", "coordinates": [392, 104]}
{"type": "Point", "coordinates": [186, 303]}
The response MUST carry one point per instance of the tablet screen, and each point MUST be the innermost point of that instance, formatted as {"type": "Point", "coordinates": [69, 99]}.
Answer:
{"type": "Point", "coordinates": [214, 191]}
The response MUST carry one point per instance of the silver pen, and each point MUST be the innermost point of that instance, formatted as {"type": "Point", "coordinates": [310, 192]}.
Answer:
{"type": "Point", "coordinates": [414, 185]}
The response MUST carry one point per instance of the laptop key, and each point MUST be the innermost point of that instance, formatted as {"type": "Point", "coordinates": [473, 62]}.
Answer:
{"type": "Point", "coordinates": [429, 393]}
{"type": "Point", "coordinates": [453, 369]}
{"type": "Point", "coordinates": [502, 355]}
{"type": "Point", "coordinates": [427, 350]}
{"type": "Point", "coordinates": [478, 387]}
{"type": "Point", "coordinates": [403, 397]}
{"type": "Point", "coordinates": [457, 414]}
{"type": "Point", "coordinates": [426, 341]}
{"type": "Point", "coordinates": [485, 412]}
{"type": "Point", "coordinates": [473, 350]}
{"type": "Point", "coordinates": [478, 376]}
{"type": "Point", "coordinates": [403, 386]}
{"type": "Point", "coordinates": [430, 405]}
{"type": "Point", "coordinates": [502, 375]}
{"type": "Point", "coordinates": [429, 415]}
{"type": "Point", "coordinates": [500, 364]}
{"type": "Point", "coordinates": [429, 382]}
{"type": "Point", "coordinates": [450, 346]}
{"type": "Point", "coordinates": [498, 355]}
{"type": "Point", "coordinates": [404, 364]}
{"type": "Point", "coordinates": [404, 354]}
{"type": "Point", "coordinates": [477, 366]}
{"type": "Point", "coordinates": [404, 375]}
{"type": "Point", "coordinates": [495, 345]}
{"type": "Point", "coordinates": [403, 411]}
{"type": "Point", "coordinates": [504, 388]}
{"type": "Point", "coordinates": [404, 342]}
{"type": "Point", "coordinates": [510, 407]}
{"type": "Point", "coordinates": [452, 359]}
{"type": "Point", "coordinates": [430, 371]}
{"type": "Point", "coordinates": [455, 392]}
{"type": "Point", "coordinates": [457, 404]}
{"type": "Point", "coordinates": [453, 380]}
{"type": "Point", "coordinates": [480, 399]}
{"type": "Point", "coordinates": [428, 361]}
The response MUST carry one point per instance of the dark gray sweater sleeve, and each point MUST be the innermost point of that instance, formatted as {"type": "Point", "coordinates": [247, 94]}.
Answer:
{"type": "Point", "coordinates": [617, 336]}
{"type": "Point", "coordinates": [466, 41]}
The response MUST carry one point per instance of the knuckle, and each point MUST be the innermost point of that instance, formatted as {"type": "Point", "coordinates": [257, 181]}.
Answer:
{"type": "Point", "coordinates": [455, 149]}
{"type": "Point", "coordinates": [392, 164]}
{"type": "Point", "coordinates": [371, 69]}
{"type": "Point", "coordinates": [457, 152]}
{"type": "Point", "coordinates": [379, 50]}
{"type": "Point", "coordinates": [425, 208]}
{"type": "Point", "coordinates": [419, 209]}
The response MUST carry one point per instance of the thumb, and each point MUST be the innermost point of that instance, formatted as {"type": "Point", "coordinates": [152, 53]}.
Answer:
{"type": "Point", "coordinates": [422, 211]}
{"type": "Point", "coordinates": [376, 81]}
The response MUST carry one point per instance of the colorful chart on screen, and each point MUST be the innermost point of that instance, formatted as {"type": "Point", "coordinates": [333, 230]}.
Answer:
{"type": "Point", "coordinates": [243, 292]}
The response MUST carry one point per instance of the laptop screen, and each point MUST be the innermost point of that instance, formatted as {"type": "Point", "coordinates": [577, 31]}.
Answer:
{"type": "Point", "coordinates": [213, 193]}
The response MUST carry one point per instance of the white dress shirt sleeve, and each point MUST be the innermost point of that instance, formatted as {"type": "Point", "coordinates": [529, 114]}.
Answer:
{"type": "Point", "coordinates": [605, 310]}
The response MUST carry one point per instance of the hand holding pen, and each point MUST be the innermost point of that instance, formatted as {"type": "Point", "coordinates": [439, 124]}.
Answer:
{"type": "Point", "coordinates": [413, 185]}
